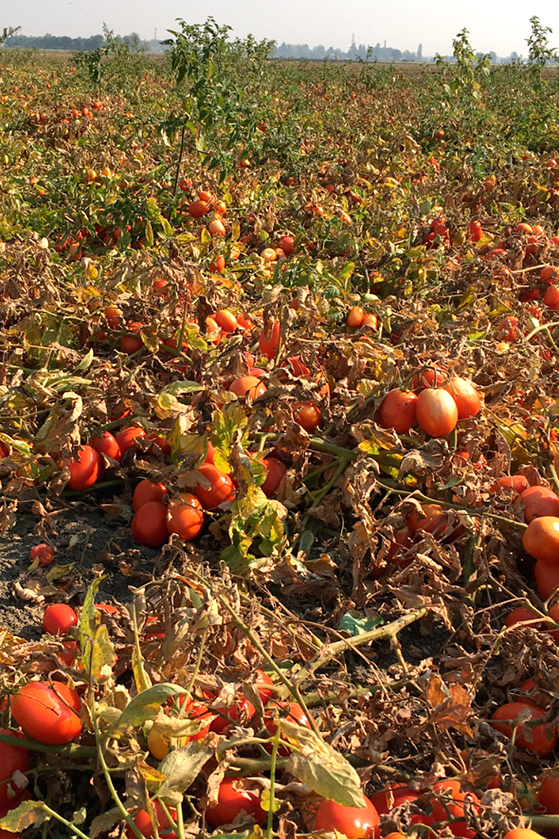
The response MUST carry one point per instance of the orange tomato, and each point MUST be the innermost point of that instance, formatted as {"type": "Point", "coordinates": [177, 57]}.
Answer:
{"type": "Point", "coordinates": [437, 412]}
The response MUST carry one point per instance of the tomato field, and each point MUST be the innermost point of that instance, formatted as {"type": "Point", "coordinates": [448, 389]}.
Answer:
{"type": "Point", "coordinates": [279, 343]}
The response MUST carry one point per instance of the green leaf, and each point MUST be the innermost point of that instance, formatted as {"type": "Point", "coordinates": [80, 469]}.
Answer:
{"type": "Point", "coordinates": [146, 706]}
{"type": "Point", "coordinates": [355, 624]}
{"type": "Point", "coordinates": [149, 234]}
{"type": "Point", "coordinates": [319, 766]}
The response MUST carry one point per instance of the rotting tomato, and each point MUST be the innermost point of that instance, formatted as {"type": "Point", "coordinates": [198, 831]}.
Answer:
{"type": "Point", "coordinates": [149, 525]}
{"type": "Point", "coordinates": [437, 412]}
{"type": "Point", "coordinates": [221, 488]}
{"type": "Point", "coordinates": [58, 618]}
{"type": "Point", "coordinates": [232, 800]}
{"type": "Point", "coordinates": [148, 491]}
{"type": "Point", "coordinates": [540, 739]}
{"type": "Point", "coordinates": [43, 553]}
{"type": "Point", "coordinates": [47, 712]}
{"type": "Point", "coordinates": [398, 410]}
{"type": "Point", "coordinates": [353, 822]}
{"type": "Point", "coordinates": [541, 539]}
{"type": "Point", "coordinates": [84, 468]}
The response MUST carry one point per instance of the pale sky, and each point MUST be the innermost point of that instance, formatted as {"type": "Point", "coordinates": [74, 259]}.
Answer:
{"type": "Point", "coordinates": [498, 25]}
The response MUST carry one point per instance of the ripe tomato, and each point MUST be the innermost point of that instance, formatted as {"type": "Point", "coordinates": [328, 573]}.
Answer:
{"type": "Point", "coordinates": [353, 822]}
{"type": "Point", "coordinates": [216, 227]}
{"type": "Point", "coordinates": [431, 376]}
{"type": "Point", "coordinates": [437, 412]}
{"type": "Point", "coordinates": [475, 231]}
{"type": "Point", "coordinates": [507, 330]}
{"type": "Point", "coordinates": [548, 796]}
{"type": "Point", "coordinates": [392, 796]}
{"type": "Point", "coordinates": [226, 320]}
{"type": "Point", "coordinates": [547, 576]}
{"type": "Point", "coordinates": [307, 414]}
{"type": "Point", "coordinates": [539, 501]}
{"type": "Point", "coordinates": [262, 681]}
{"type": "Point", "coordinates": [541, 539]}
{"type": "Point", "coordinates": [185, 517]}
{"type": "Point", "coordinates": [465, 395]}
{"type": "Point", "coordinates": [148, 491]}
{"type": "Point", "coordinates": [58, 618]}
{"type": "Point", "coordinates": [522, 833]}
{"type": "Point", "coordinates": [451, 807]}
{"type": "Point", "coordinates": [516, 483]}
{"type": "Point", "coordinates": [551, 298]}
{"type": "Point", "coordinates": [355, 317]}
{"type": "Point", "coordinates": [149, 525]}
{"type": "Point", "coordinates": [287, 244]}
{"type": "Point", "coordinates": [549, 274]}
{"type": "Point", "coordinates": [521, 615]}
{"type": "Point", "coordinates": [44, 553]}
{"type": "Point", "coordinates": [370, 320]}
{"type": "Point", "coordinates": [127, 438]}
{"type": "Point", "coordinates": [106, 443]}
{"type": "Point", "coordinates": [247, 385]}
{"type": "Point", "coordinates": [113, 315]}
{"type": "Point", "coordinates": [143, 822]}
{"type": "Point", "coordinates": [221, 487]}
{"type": "Point", "coordinates": [84, 468]}
{"type": "Point", "coordinates": [197, 209]}
{"type": "Point", "coordinates": [242, 710]}
{"type": "Point", "coordinates": [130, 344]}
{"type": "Point", "coordinates": [540, 739]}
{"type": "Point", "coordinates": [268, 344]}
{"type": "Point", "coordinates": [48, 713]}
{"type": "Point", "coordinates": [298, 366]}
{"type": "Point", "coordinates": [275, 470]}
{"type": "Point", "coordinates": [231, 800]}
{"type": "Point", "coordinates": [398, 410]}
{"type": "Point", "coordinates": [12, 759]}
{"type": "Point", "coordinates": [292, 712]}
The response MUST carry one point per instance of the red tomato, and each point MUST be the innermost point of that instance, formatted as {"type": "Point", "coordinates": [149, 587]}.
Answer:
{"type": "Point", "coordinates": [197, 209]}
{"type": "Point", "coordinates": [226, 320]}
{"type": "Point", "coordinates": [516, 483]}
{"type": "Point", "coordinates": [262, 681]}
{"type": "Point", "coordinates": [245, 323]}
{"type": "Point", "coordinates": [539, 501]}
{"type": "Point", "coordinates": [44, 553]}
{"type": "Point", "coordinates": [428, 377]}
{"type": "Point", "coordinates": [268, 344]}
{"type": "Point", "coordinates": [541, 539]}
{"type": "Point", "coordinates": [437, 412]}
{"type": "Point", "coordinates": [84, 468]}
{"type": "Point", "coordinates": [465, 395]}
{"type": "Point", "coordinates": [130, 344]}
{"type": "Point", "coordinates": [240, 711]}
{"type": "Point", "coordinates": [113, 315]}
{"type": "Point", "coordinates": [58, 618]}
{"type": "Point", "coordinates": [307, 414]}
{"type": "Point", "coordinates": [287, 244]}
{"type": "Point", "coordinates": [295, 714]}
{"type": "Point", "coordinates": [185, 517]}
{"type": "Point", "coordinates": [355, 317]}
{"type": "Point", "coordinates": [275, 470]}
{"type": "Point", "coordinates": [148, 491]}
{"type": "Point", "coordinates": [548, 796]}
{"type": "Point", "coordinates": [221, 487]}
{"type": "Point", "coordinates": [143, 822]}
{"type": "Point", "coordinates": [507, 330]}
{"type": "Point", "coordinates": [298, 366]}
{"type": "Point", "coordinates": [398, 410]}
{"type": "Point", "coordinates": [353, 822]}
{"type": "Point", "coordinates": [475, 231]}
{"type": "Point", "coordinates": [127, 438]}
{"type": "Point", "coordinates": [551, 298]}
{"type": "Point", "coordinates": [390, 797]}
{"type": "Point", "coordinates": [547, 577]}
{"type": "Point", "coordinates": [451, 807]}
{"type": "Point", "coordinates": [12, 758]}
{"type": "Point", "coordinates": [106, 444]}
{"type": "Point", "coordinates": [521, 615]}
{"type": "Point", "coordinates": [247, 385]}
{"type": "Point", "coordinates": [231, 800]}
{"type": "Point", "coordinates": [48, 713]}
{"type": "Point", "coordinates": [149, 525]}
{"type": "Point", "coordinates": [540, 739]}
